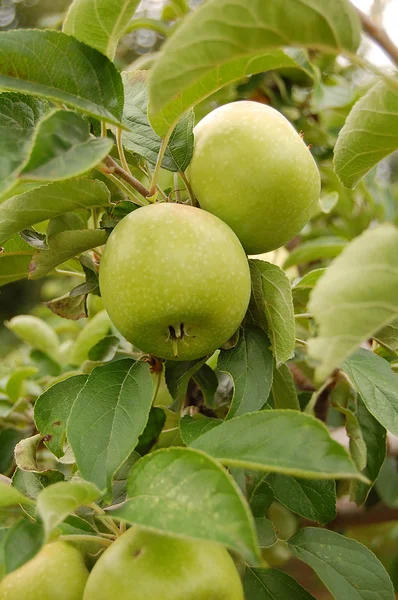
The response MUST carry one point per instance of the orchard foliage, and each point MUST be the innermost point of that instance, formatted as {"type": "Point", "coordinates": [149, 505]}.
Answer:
{"type": "Point", "coordinates": [253, 442]}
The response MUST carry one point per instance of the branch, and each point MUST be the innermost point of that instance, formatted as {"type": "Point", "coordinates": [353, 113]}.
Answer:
{"type": "Point", "coordinates": [350, 515]}
{"type": "Point", "coordinates": [379, 35]}
{"type": "Point", "coordinates": [130, 179]}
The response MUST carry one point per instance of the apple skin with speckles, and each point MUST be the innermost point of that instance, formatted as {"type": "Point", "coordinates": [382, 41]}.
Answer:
{"type": "Point", "coordinates": [57, 572]}
{"type": "Point", "coordinates": [174, 280]}
{"type": "Point", "coordinates": [143, 565]}
{"type": "Point", "coordinates": [251, 169]}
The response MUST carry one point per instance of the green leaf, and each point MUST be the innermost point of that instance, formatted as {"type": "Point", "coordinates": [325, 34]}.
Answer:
{"type": "Point", "coordinates": [193, 427]}
{"type": "Point", "coordinates": [271, 307]}
{"type": "Point", "coordinates": [355, 297]}
{"type": "Point", "coordinates": [52, 410]}
{"type": "Point", "coordinates": [281, 441]}
{"type": "Point", "coordinates": [105, 349]}
{"type": "Point", "coordinates": [283, 390]}
{"type": "Point", "coordinates": [49, 201]}
{"type": "Point", "coordinates": [348, 569]}
{"type": "Point", "coordinates": [57, 501]}
{"type": "Point", "coordinates": [309, 280]}
{"type": "Point", "coordinates": [21, 543]}
{"type": "Point", "coordinates": [9, 496]}
{"type": "Point", "coordinates": [34, 331]}
{"type": "Point", "coordinates": [184, 492]}
{"type": "Point", "coordinates": [143, 140]}
{"type": "Point", "coordinates": [94, 331]}
{"type": "Point", "coordinates": [108, 416]}
{"type": "Point", "coordinates": [250, 365]}
{"type": "Point", "coordinates": [377, 384]}
{"type": "Point", "coordinates": [387, 483]}
{"type": "Point", "coordinates": [261, 498]}
{"type": "Point", "coordinates": [265, 532]}
{"type": "Point", "coordinates": [370, 134]}
{"type": "Point", "coordinates": [315, 250]}
{"type": "Point", "coordinates": [357, 444]}
{"type": "Point", "coordinates": [310, 498]}
{"type": "Point", "coordinates": [271, 584]}
{"type": "Point", "coordinates": [33, 62]}
{"type": "Point", "coordinates": [375, 437]}
{"type": "Point", "coordinates": [223, 38]}
{"type": "Point", "coordinates": [14, 260]}
{"type": "Point", "coordinates": [18, 117]}
{"type": "Point", "coordinates": [388, 336]}
{"type": "Point", "coordinates": [34, 238]}
{"type": "Point", "coordinates": [178, 374]}
{"type": "Point", "coordinates": [63, 148]}
{"type": "Point", "coordinates": [9, 438]}
{"type": "Point", "coordinates": [153, 428]}
{"type": "Point", "coordinates": [99, 23]}
{"type": "Point", "coordinates": [15, 384]}
{"type": "Point", "coordinates": [62, 247]}
{"type": "Point", "coordinates": [207, 381]}
{"type": "Point", "coordinates": [31, 484]}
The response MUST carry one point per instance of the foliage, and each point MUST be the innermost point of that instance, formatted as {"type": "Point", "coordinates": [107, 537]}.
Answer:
{"type": "Point", "coordinates": [242, 447]}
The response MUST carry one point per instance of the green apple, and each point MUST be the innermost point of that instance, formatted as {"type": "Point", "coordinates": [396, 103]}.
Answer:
{"type": "Point", "coordinates": [57, 572]}
{"type": "Point", "coordinates": [251, 169]}
{"type": "Point", "coordinates": [174, 280]}
{"type": "Point", "coordinates": [143, 565]}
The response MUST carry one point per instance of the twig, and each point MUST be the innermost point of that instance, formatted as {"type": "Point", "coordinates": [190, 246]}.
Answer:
{"type": "Point", "coordinates": [379, 35]}
{"type": "Point", "coordinates": [120, 149]}
{"type": "Point", "coordinates": [117, 170]}
{"type": "Point", "coordinates": [353, 516]}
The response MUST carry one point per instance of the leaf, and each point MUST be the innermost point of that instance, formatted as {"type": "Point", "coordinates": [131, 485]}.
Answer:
{"type": "Point", "coordinates": [271, 307]}
{"type": "Point", "coordinates": [370, 134]}
{"type": "Point", "coordinates": [271, 584]}
{"type": "Point", "coordinates": [33, 62]}
{"type": "Point", "coordinates": [21, 543]}
{"type": "Point", "coordinates": [315, 250]}
{"type": "Point", "coordinates": [31, 484]}
{"type": "Point", "coordinates": [68, 307]}
{"type": "Point", "coordinates": [355, 297]}
{"type": "Point", "coordinates": [8, 440]}
{"type": "Point", "coordinates": [387, 483]}
{"type": "Point", "coordinates": [388, 336]}
{"type": "Point", "coordinates": [309, 280]}
{"type": "Point", "coordinates": [10, 496]}
{"type": "Point", "coordinates": [377, 384]}
{"type": "Point", "coordinates": [25, 453]}
{"type": "Point", "coordinates": [348, 569]}
{"type": "Point", "coordinates": [221, 40]}
{"type": "Point", "coordinates": [250, 365]}
{"type": "Point", "coordinates": [375, 437]}
{"type": "Point", "coordinates": [108, 416]}
{"type": "Point", "coordinates": [62, 247]}
{"type": "Point", "coordinates": [57, 501]}
{"type": "Point", "coordinates": [15, 257]}
{"type": "Point", "coordinates": [261, 498]}
{"type": "Point", "coordinates": [52, 411]}
{"type": "Point", "coordinates": [18, 117]}
{"type": "Point", "coordinates": [184, 492]}
{"type": "Point", "coordinates": [178, 374]}
{"type": "Point", "coordinates": [142, 140]}
{"type": "Point", "coordinates": [265, 532]}
{"type": "Point", "coordinates": [34, 238]}
{"type": "Point", "coordinates": [95, 330]}
{"type": "Point", "coordinates": [357, 444]}
{"type": "Point", "coordinates": [99, 23]}
{"type": "Point", "coordinates": [283, 390]}
{"type": "Point", "coordinates": [153, 428]}
{"type": "Point", "coordinates": [193, 427]}
{"type": "Point", "coordinates": [63, 148]}
{"type": "Point", "coordinates": [328, 201]}
{"type": "Point", "coordinates": [310, 498]}
{"type": "Point", "coordinates": [15, 384]}
{"type": "Point", "coordinates": [105, 349]}
{"type": "Point", "coordinates": [48, 201]}
{"type": "Point", "coordinates": [207, 381]}
{"type": "Point", "coordinates": [34, 331]}
{"type": "Point", "coordinates": [281, 441]}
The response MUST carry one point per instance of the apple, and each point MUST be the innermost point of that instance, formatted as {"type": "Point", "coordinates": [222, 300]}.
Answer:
{"type": "Point", "coordinates": [251, 169]}
{"type": "Point", "coordinates": [174, 280]}
{"type": "Point", "coordinates": [57, 571]}
{"type": "Point", "coordinates": [143, 565]}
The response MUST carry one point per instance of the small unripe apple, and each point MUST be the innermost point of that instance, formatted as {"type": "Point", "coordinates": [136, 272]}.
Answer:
{"type": "Point", "coordinates": [174, 280]}
{"type": "Point", "coordinates": [251, 169]}
{"type": "Point", "coordinates": [143, 565]}
{"type": "Point", "coordinates": [57, 572]}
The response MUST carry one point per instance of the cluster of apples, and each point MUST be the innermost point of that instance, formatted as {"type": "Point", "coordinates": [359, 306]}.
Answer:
{"type": "Point", "coordinates": [139, 565]}
{"type": "Point", "coordinates": [175, 279]}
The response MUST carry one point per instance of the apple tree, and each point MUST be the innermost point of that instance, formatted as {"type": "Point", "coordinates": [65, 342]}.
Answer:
{"type": "Point", "coordinates": [199, 271]}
